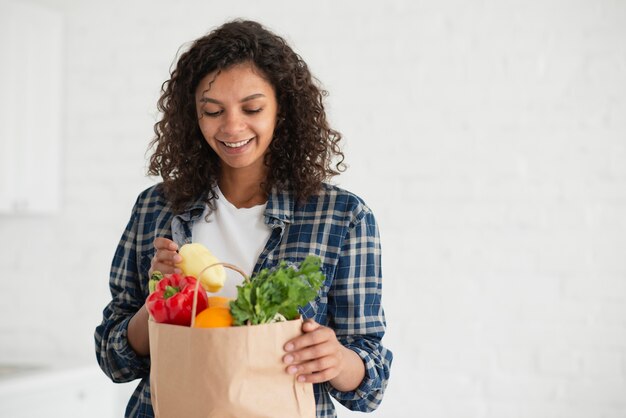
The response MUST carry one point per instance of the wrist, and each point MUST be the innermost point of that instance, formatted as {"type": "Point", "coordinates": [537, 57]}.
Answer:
{"type": "Point", "coordinates": [351, 371]}
{"type": "Point", "coordinates": [137, 333]}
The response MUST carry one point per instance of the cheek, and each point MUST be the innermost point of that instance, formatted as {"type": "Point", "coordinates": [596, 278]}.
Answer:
{"type": "Point", "coordinates": [267, 126]}
{"type": "Point", "coordinates": [207, 129]}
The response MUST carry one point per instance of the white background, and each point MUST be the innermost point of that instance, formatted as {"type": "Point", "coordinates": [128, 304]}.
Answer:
{"type": "Point", "coordinates": [489, 138]}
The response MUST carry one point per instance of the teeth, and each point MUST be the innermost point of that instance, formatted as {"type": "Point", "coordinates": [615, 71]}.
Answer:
{"type": "Point", "coordinates": [237, 144]}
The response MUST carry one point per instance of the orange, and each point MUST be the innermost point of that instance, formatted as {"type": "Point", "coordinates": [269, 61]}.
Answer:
{"type": "Point", "coordinates": [213, 317]}
{"type": "Point", "coordinates": [215, 301]}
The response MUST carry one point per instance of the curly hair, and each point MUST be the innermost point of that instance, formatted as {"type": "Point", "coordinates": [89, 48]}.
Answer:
{"type": "Point", "coordinates": [300, 156]}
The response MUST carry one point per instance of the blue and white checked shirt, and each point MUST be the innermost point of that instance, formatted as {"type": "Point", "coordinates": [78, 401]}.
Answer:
{"type": "Point", "coordinates": [335, 225]}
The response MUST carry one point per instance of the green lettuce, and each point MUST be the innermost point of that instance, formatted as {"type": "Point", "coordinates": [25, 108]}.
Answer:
{"type": "Point", "coordinates": [277, 292]}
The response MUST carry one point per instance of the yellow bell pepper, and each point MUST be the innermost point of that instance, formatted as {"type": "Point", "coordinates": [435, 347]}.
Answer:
{"type": "Point", "coordinates": [196, 257]}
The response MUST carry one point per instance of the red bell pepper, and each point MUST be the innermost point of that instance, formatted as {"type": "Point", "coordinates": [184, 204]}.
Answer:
{"type": "Point", "coordinates": [171, 300]}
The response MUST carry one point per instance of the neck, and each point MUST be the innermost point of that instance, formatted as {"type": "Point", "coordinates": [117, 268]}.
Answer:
{"type": "Point", "coordinates": [242, 189]}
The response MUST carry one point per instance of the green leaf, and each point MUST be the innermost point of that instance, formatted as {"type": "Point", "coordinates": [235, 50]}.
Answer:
{"type": "Point", "coordinates": [279, 291]}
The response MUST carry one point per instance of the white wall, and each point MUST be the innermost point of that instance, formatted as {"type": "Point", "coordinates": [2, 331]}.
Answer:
{"type": "Point", "coordinates": [489, 138]}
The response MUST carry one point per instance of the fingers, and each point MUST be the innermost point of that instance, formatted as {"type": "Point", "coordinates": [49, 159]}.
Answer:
{"type": "Point", "coordinates": [321, 370]}
{"type": "Point", "coordinates": [310, 325]}
{"type": "Point", "coordinates": [161, 243]}
{"type": "Point", "coordinates": [315, 356]}
{"type": "Point", "coordinates": [319, 350]}
{"type": "Point", "coordinates": [314, 334]}
{"type": "Point", "coordinates": [165, 257]}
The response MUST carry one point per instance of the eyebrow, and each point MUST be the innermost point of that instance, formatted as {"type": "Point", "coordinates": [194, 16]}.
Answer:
{"type": "Point", "coordinates": [204, 99]}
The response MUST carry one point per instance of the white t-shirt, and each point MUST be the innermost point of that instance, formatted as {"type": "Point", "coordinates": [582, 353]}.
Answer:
{"type": "Point", "coordinates": [235, 236]}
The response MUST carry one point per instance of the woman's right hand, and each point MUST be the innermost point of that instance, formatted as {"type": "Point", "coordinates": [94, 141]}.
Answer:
{"type": "Point", "coordinates": [166, 257]}
{"type": "Point", "coordinates": [164, 261]}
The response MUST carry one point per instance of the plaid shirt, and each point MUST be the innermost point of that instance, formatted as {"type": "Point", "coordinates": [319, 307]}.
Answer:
{"type": "Point", "coordinates": [335, 225]}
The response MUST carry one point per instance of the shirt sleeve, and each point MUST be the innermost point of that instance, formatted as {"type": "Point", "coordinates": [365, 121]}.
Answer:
{"type": "Point", "coordinates": [354, 304]}
{"type": "Point", "coordinates": [115, 356]}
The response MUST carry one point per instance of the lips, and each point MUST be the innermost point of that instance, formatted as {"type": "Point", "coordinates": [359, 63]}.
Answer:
{"type": "Point", "coordinates": [237, 144]}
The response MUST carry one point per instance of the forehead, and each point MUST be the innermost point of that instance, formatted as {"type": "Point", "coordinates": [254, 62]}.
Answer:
{"type": "Point", "coordinates": [241, 79]}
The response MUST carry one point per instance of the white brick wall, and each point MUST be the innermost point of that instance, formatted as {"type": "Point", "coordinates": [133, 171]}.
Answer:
{"type": "Point", "coordinates": [488, 137]}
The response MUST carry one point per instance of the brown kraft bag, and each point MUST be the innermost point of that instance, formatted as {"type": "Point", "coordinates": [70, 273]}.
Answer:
{"type": "Point", "coordinates": [225, 372]}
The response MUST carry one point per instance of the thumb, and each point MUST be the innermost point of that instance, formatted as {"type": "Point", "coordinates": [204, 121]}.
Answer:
{"type": "Point", "coordinates": [310, 325]}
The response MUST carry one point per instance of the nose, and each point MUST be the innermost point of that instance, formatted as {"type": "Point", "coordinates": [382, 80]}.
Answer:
{"type": "Point", "coordinates": [232, 124]}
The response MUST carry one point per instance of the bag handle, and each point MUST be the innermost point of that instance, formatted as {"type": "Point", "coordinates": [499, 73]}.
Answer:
{"type": "Point", "coordinates": [194, 306]}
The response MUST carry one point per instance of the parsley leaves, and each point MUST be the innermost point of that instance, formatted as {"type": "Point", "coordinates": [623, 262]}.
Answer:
{"type": "Point", "coordinates": [275, 292]}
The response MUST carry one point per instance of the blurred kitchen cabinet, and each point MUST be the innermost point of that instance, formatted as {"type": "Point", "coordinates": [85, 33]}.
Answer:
{"type": "Point", "coordinates": [31, 107]}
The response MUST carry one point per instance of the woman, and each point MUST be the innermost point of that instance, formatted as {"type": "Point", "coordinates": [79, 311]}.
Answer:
{"type": "Point", "coordinates": [243, 149]}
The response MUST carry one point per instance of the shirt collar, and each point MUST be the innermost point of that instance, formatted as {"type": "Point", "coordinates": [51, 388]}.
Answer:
{"type": "Point", "coordinates": [193, 210]}
{"type": "Point", "coordinates": [181, 223]}
{"type": "Point", "coordinates": [280, 208]}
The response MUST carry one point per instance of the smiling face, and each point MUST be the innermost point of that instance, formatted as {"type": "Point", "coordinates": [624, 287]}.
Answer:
{"type": "Point", "coordinates": [237, 111]}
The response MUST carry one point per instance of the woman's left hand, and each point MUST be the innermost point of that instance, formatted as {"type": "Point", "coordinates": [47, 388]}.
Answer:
{"type": "Point", "coordinates": [316, 356]}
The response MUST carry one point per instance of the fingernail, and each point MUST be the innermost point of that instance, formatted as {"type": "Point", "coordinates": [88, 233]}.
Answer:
{"type": "Point", "coordinates": [292, 370]}
{"type": "Point", "coordinates": [301, 378]}
{"type": "Point", "coordinates": [289, 347]}
{"type": "Point", "coordinates": [288, 359]}
{"type": "Point", "coordinates": [177, 258]}
{"type": "Point", "coordinates": [178, 271]}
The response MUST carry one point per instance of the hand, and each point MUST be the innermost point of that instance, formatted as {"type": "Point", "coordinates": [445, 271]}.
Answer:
{"type": "Point", "coordinates": [166, 257]}
{"type": "Point", "coordinates": [316, 356]}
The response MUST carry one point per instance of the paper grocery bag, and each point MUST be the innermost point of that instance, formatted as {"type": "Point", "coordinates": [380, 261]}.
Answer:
{"type": "Point", "coordinates": [225, 372]}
